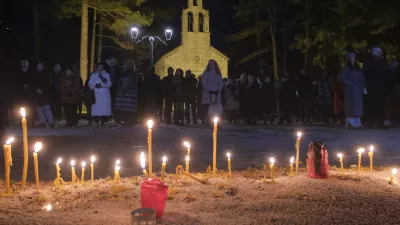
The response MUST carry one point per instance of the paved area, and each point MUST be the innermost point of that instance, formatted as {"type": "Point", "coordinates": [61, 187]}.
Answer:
{"type": "Point", "coordinates": [250, 145]}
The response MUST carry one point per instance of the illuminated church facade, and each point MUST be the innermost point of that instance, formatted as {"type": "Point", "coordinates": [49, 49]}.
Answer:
{"type": "Point", "coordinates": [195, 50]}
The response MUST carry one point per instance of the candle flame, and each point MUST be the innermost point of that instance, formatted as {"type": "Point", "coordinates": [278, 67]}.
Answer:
{"type": "Point", "coordinates": [150, 123]}
{"type": "Point", "coordinates": [394, 171]}
{"type": "Point", "coordinates": [72, 163]}
{"type": "Point", "coordinates": [48, 207]}
{"type": "Point", "coordinates": [23, 113]}
{"type": "Point", "coordinates": [371, 148]}
{"type": "Point", "coordinates": [187, 158]}
{"type": "Point", "coordinates": [299, 134]}
{"type": "Point", "coordinates": [272, 160]}
{"type": "Point", "coordinates": [215, 119]}
{"type": "Point", "coordinates": [142, 161]}
{"type": "Point", "coordinates": [164, 159]}
{"type": "Point", "coordinates": [118, 162]}
{"type": "Point", "coordinates": [186, 144]}
{"type": "Point", "coordinates": [361, 150]}
{"type": "Point", "coordinates": [291, 160]}
{"type": "Point", "coordinates": [228, 154]}
{"type": "Point", "coordinates": [83, 164]}
{"type": "Point", "coordinates": [59, 160]}
{"type": "Point", "coordinates": [92, 159]}
{"type": "Point", "coordinates": [10, 140]}
{"type": "Point", "coordinates": [38, 146]}
{"type": "Point", "coordinates": [340, 155]}
{"type": "Point", "coordinates": [117, 168]}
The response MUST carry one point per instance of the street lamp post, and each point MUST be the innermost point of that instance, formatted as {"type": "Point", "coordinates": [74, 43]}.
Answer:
{"type": "Point", "coordinates": [135, 36]}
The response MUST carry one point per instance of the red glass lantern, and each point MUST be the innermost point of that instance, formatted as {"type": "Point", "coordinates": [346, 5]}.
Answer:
{"type": "Point", "coordinates": [317, 160]}
{"type": "Point", "coordinates": [154, 194]}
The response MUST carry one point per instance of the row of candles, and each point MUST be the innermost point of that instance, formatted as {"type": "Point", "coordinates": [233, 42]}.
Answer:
{"type": "Point", "coordinates": [38, 146]}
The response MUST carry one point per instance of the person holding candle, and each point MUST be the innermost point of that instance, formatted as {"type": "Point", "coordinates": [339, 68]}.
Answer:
{"type": "Point", "coordinates": [353, 80]}
{"type": "Point", "coordinates": [101, 83]}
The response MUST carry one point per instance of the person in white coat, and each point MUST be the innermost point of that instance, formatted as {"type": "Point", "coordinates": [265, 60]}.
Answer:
{"type": "Point", "coordinates": [100, 83]}
{"type": "Point", "coordinates": [212, 88]}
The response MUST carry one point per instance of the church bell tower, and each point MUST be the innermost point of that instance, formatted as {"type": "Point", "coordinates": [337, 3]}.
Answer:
{"type": "Point", "coordinates": [195, 23]}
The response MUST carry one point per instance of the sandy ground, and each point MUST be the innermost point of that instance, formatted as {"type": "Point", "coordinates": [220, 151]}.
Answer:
{"type": "Point", "coordinates": [245, 199]}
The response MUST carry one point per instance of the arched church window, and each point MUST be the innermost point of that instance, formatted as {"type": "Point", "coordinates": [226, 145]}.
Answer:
{"type": "Point", "coordinates": [201, 22]}
{"type": "Point", "coordinates": [195, 3]}
{"type": "Point", "coordinates": [190, 22]}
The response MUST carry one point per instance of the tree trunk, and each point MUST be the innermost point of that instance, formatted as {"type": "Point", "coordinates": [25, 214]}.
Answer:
{"type": "Point", "coordinates": [307, 35]}
{"type": "Point", "coordinates": [285, 50]}
{"type": "Point", "coordinates": [93, 42]}
{"type": "Point", "coordinates": [100, 42]}
{"type": "Point", "coordinates": [84, 41]}
{"type": "Point", "coordinates": [273, 41]}
{"type": "Point", "coordinates": [36, 33]}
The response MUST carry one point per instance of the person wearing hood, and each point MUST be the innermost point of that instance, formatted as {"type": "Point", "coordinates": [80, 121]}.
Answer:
{"type": "Point", "coordinates": [241, 90]}
{"type": "Point", "coordinates": [126, 102]}
{"type": "Point", "coordinates": [168, 93]}
{"type": "Point", "coordinates": [353, 80]}
{"type": "Point", "coordinates": [42, 87]}
{"type": "Point", "coordinates": [376, 76]}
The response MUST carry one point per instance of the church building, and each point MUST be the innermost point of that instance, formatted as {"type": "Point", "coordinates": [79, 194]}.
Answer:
{"type": "Point", "coordinates": [195, 50]}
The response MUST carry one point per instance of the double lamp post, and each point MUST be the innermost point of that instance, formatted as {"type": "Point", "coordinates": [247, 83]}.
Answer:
{"type": "Point", "coordinates": [135, 36]}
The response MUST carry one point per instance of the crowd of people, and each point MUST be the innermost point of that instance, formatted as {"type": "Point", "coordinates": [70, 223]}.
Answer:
{"type": "Point", "coordinates": [129, 97]}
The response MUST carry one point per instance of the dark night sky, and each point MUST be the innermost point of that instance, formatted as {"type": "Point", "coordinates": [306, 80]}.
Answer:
{"type": "Point", "coordinates": [60, 41]}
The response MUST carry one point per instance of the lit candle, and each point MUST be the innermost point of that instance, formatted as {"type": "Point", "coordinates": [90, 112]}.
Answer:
{"type": "Point", "coordinates": [394, 171]}
{"type": "Point", "coordinates": [371, 156]}
{"type": "Point", "coordinates": [340, 155]}
{"type": "Point", "coordinates": [229, 164]}
{"type": "Point", "coordinates": [360, 152]}
{"type": "Point", "coordinates": [298, 141]}
{"type": "Point", "coordinates": [215, 146]}
{"type": "Point", "coordinates": [37, 148]}
{"type": "Point", "coordinates": [83, 164]}
{"type": "Point", "coordinates": [73, 171]}
{"type": "Point", "coordinates": [92, 159]}
{"type": "Point", "coordinates": [149, 143]}
{"type": "Point", "coordinates": [143, 164]}
{"type": "Point", "coordinates": [187, 163]}
{"type": "Point", "coordinates": [48, 207]}
{"type": "Point", "coordinates": [25, 146]}
{"type": "Point", "coordinates": [187, 144]}
{"type": "Point", "coordinates": [58, 169]}
{"type": "Point", "coordinates": [272, 167]}
{"type": "Point", "coordinates": [291, 166]}
{"type": "Point", "coordinates": [164, 165]}
{"type": "Point", "coordinates": [8, 164]}
{"type": "Point", "coordinates": [116, 172]}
